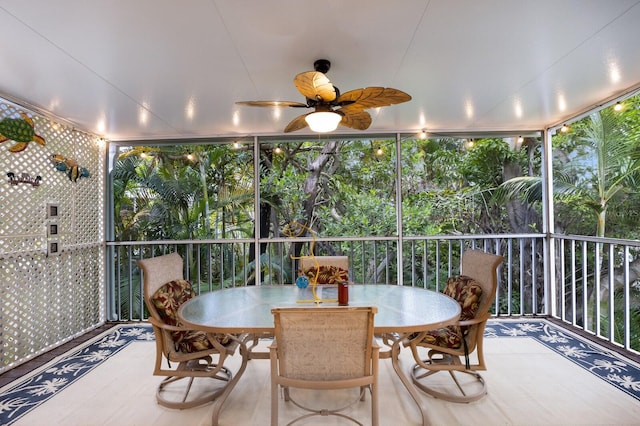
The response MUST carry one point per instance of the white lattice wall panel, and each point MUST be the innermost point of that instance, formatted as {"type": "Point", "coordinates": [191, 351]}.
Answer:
{"type": "Point", "coordinates": [49, 297]}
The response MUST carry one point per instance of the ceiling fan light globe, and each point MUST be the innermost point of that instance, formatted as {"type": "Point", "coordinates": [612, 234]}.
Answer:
{"type": "Point", "coordinates": [323, 121]}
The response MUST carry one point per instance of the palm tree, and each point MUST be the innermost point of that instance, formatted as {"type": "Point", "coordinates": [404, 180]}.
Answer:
{"type": "Point", "coordinates": [600, 173]}
{"type": "Point", "coordinates": [606, 167]}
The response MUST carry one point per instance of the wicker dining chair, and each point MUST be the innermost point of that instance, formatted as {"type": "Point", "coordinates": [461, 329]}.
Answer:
{"type": "Point", "coordinates": [324, 348]}
{"type": "Point", "coordinates": [451, 348]}
{"type": "Point", "coordinates": [192, 351]}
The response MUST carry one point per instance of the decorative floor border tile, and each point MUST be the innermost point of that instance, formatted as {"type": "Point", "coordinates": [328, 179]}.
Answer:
{"type": "Point", "coordinates": [605, 364]}
{"type": "Point", "coordinates": [27, 393]}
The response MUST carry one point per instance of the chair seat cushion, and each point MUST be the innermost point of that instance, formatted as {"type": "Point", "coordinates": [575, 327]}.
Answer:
{"type": "Point", "coordinates": [326, 274]}
{"type": "Point", "coordinates": [167, 299]}
{"type": "Point", "coordinates": [467, 292]}
{"type": "Point", "coordinates": [445, 337]}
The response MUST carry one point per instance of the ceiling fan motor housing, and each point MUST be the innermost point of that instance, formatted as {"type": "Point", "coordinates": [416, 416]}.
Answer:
{"type": "Point", "coordinates": [322, 65]}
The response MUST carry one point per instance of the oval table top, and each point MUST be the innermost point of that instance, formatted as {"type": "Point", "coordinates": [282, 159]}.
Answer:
{"type": "Point", "coordinates": [237, 310]}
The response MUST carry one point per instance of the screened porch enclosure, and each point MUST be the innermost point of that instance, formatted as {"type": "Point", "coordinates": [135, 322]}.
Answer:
{"type": "Point", "coordinates": [401, 207]}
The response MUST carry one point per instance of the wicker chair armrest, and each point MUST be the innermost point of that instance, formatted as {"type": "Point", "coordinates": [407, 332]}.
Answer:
{"type": "Point", "coordinates": [235, 340]}
{"type": "Point", "coordinates": [229, 347]}
{"type": "Point", "coordinates": [476, 320]}
{"type": "Point", "coordinates": [165, 326]}
{"type": "Point", "coordinates": [408, 339]}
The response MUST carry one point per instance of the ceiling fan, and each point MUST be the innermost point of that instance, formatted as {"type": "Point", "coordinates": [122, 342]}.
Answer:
{"type": "Point", "coordinates": [330, 107]}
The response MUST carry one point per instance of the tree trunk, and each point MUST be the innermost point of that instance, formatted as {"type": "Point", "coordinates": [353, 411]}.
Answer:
{"type": "Point", "coordinates": [312, 186]}
{"type": "Point", "coordinates": [523, 218]}
{"type": "Point", "coordinates": [265, 223]}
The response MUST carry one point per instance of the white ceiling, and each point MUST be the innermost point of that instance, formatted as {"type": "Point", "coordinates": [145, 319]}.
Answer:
{"type": "Point", "coordinates": [155, 69]}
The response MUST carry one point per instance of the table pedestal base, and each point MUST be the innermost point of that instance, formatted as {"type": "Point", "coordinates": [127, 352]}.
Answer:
{"type": "Point", "coordinates": [245, 352]}
{"type": "Point", "coordinates": [394, 341]}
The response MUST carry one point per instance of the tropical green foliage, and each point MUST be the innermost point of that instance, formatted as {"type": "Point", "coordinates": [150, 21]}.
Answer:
{"type": "Point", "coordinates": [600, 164]}
{"type": "Point", "coordinates": [348, 189]}
{"type": "Point", "coordinates": [182, 192]}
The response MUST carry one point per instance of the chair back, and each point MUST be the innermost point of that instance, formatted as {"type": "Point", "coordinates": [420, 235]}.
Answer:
{"type": "Point", "coordinates": [157, 271]}
{"type": "Point", "coordinates": [483, 268]}
{"type": "Point", "coordinates": [324, 344]}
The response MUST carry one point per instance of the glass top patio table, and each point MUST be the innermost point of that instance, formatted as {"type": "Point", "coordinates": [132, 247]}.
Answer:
{"type": "Point", "coordinates": [248, 309]}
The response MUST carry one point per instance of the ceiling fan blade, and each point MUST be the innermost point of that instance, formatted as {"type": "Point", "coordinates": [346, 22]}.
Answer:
{"type": "Point", "coordinates": [359, 120]}
{"type": "Point", "coordinates": [371, 97]}
{"type": "Point", "coordinates": [273, 104]}
{"type": "Point", "coordinates": [315, 85]}
{"type": "Point", "coordinates": [296, 124]}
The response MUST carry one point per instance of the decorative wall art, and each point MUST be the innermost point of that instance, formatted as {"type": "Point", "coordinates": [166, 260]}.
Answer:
{"type": "Point", "coordinates": [70, 166]}
{"type": "Point", "coordinates": [15, 179]}
{"type": "Point", "coordinates": [21, 131]}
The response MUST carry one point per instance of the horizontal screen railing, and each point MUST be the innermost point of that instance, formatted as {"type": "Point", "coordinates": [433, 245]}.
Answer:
{"type": "Point", "coordinates": [420, 261]}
